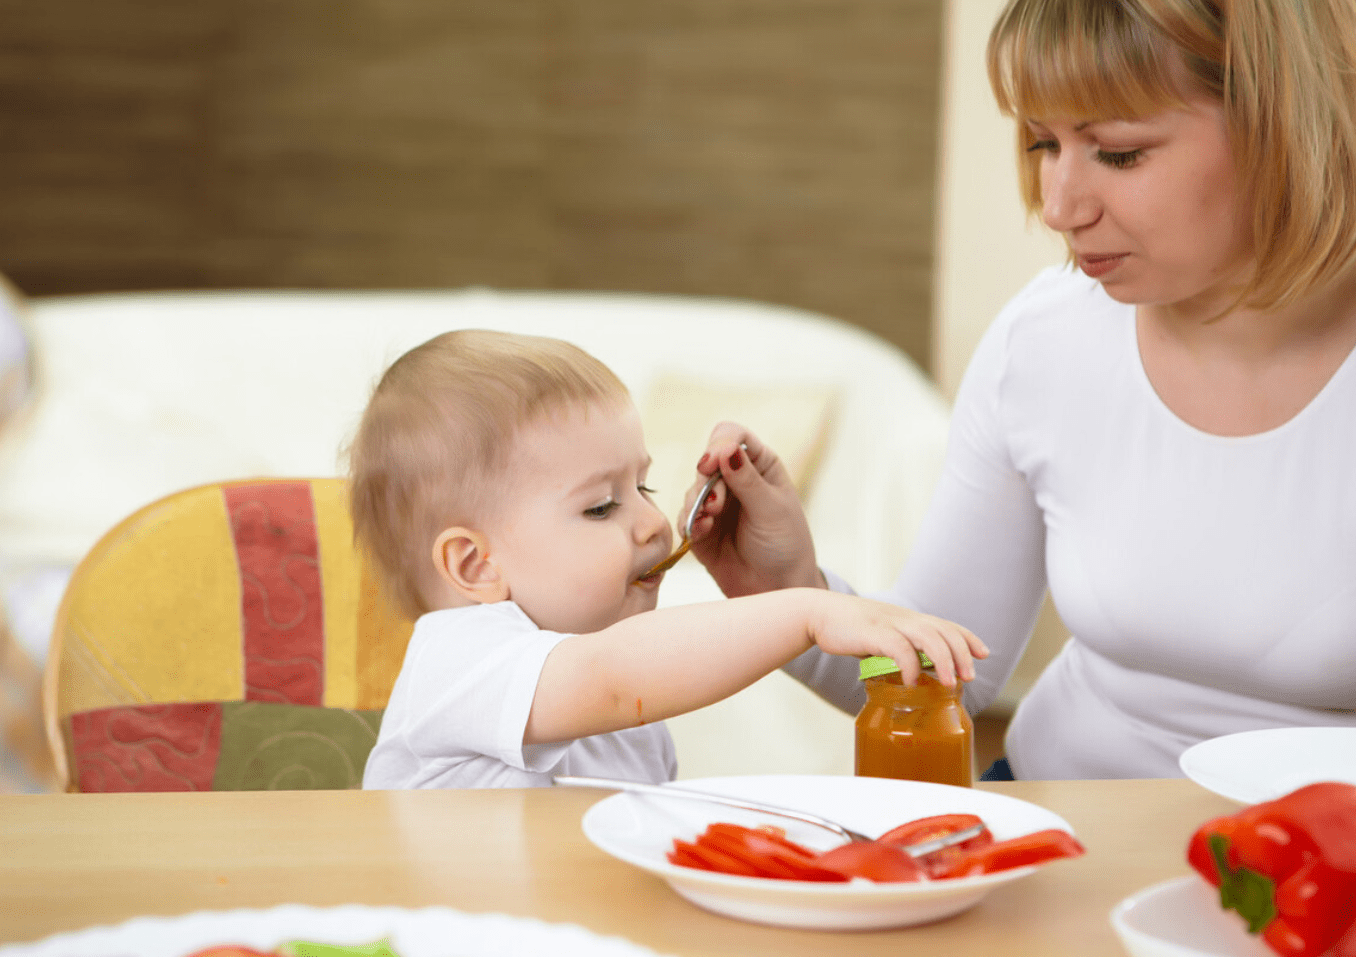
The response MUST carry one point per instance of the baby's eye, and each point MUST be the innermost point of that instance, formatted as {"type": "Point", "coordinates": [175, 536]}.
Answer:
{"type": "Point", "coordinates": [1119, 160]}
{"type": "Point", "coordinates": [645, 489]}
{"type": "Point", "coordinates": [602, 510]}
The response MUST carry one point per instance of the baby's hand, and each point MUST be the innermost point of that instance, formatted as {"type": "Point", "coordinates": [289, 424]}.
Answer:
{"type": "Point", "coordinates": [850, 625]}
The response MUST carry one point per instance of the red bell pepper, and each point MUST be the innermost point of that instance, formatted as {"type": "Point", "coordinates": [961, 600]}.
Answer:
{"type": "Point", "coordinates": [765, 852]}
{"type": "Point", "coordinates": [1034, 848]}
{"type": "Point", "coordinates": [938, 825]}
{"type": "Point", "coordinates": [1288, 867]}
{"type": "Point", "coordinates": [752, 852]}
{"type": "Point", "coordinates": [941, 863]}
{"type": "Point", "coordinates": [874, 860]}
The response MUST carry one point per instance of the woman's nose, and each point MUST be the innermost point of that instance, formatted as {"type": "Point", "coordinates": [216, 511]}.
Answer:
{"type": "Point", "coordinates": [1067, 203]}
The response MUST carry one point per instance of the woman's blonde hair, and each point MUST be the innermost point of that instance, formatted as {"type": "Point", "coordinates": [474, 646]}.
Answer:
{"type": "Point", "coordinates": [1284, 70]}
{"type": "Point", "coordinates": [438, 432]}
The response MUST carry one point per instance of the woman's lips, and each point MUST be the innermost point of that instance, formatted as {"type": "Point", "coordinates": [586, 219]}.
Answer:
{"type": "Point", "coordinates": [1095, 267]}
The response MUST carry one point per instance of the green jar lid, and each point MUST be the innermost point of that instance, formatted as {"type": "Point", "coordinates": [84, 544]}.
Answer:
{"type": "Point", "coordinates": [878, 665]}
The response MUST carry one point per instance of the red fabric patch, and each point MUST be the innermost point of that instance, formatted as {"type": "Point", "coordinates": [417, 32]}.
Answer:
{"type": "Point", "coordinates": [152, 747]}
{"type": "Point", "coordinates": [282, 607]}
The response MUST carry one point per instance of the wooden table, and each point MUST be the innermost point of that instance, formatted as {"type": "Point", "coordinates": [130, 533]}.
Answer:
{"type": "Point", "coordinates": [73, 860]}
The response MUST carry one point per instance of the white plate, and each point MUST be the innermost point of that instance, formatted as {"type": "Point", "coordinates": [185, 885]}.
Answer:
{"type": "Point", "coordinates": [640, 829]}
{"type": "Point", "coordinates": [425, 932]}
{"type": "Point", "coordinates": [1255, 766]}
{"type": "Point", "coordinates": [1182, 918]}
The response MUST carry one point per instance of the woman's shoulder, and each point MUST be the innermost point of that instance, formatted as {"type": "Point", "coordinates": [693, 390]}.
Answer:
{"type": "Point", "coordinates": [1057, 296]}
{"type": "Point", "coordinates": [1061, 332]}
{"type": "Point", "coordinates": [1061, 313]}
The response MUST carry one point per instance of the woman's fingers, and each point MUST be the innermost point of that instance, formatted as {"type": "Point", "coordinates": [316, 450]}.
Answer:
{"type": "Point", "coordinates": [707, 510]}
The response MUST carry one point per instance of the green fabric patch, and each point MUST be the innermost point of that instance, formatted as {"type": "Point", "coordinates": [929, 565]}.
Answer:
{"type": "Point", "coordinates": [286, 747]}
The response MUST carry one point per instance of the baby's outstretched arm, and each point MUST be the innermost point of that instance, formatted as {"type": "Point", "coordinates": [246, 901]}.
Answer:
{"type": "Point", "coordinates": [663, 663]}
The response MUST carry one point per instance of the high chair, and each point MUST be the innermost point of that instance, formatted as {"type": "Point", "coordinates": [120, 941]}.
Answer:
{"type": "Point", "coordinates": [225, 637]}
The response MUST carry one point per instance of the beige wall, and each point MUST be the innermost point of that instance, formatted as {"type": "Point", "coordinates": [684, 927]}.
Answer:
{"type": "Point", "coordinates": [783, 152]}
{"type": "Point", "coordinates": [986, 248]}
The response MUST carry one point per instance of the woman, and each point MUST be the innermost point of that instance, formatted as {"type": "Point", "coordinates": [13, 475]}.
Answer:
{"type": "Point", "coordinates": [1164, 431]}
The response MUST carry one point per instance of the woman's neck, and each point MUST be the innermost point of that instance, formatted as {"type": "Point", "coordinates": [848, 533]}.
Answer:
{"type": "Point", "coordinates": [1247, 371]}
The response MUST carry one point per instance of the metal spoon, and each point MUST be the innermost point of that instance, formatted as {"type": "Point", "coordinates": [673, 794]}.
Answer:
{"type": "Point", "coordinates": [686, 543]}
{"type": "Point", "coordinates": [670, 790]}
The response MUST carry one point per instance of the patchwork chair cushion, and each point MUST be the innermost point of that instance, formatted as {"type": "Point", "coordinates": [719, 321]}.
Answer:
{"type": "Point", "coordinates": [226, 637]}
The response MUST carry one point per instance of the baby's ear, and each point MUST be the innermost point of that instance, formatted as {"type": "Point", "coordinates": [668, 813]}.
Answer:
{"type": "Point", "coordinates": [462, 558]}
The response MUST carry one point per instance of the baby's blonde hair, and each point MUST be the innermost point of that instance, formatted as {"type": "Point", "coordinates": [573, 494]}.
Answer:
{"type": "Point", "coordinates": [438, 432]}
{"type": "Point", "coordinates": [1284, 70]}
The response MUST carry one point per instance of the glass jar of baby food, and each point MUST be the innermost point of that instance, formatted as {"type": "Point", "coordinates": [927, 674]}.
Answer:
{"type": "Point", "coordinates": [920, 732]}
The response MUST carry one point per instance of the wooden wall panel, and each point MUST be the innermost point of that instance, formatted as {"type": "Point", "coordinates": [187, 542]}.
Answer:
{"type": "Point", "coordinates": [782, 151]}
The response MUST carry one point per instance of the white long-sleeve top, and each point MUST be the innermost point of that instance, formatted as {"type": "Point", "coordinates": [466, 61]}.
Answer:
{"type": "Point", "coordinates": [1209, 582]}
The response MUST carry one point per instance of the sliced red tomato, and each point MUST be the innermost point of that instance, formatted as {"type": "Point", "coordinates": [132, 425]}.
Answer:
{"type": "Point", "coordinates": [874, 860]}
{"type": "Point", "coordinates": [230, 950]}
{"type": "Point", "coordinates": [1034, 848]}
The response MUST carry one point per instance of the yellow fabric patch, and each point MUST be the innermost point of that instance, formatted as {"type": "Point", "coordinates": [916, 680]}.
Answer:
{"type": "Point", "coordinates": [381, 652]}
{"type": "Point", "coordinates": [139, 624]}
{"type": "Point", "coordinates": [339, 577]}
{"type": "Point", "coordinates": [680, 411]}
{"type": "Point", "coordinates": [365, 635]}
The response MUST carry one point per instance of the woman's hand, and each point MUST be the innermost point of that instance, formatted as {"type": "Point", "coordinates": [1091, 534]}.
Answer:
{"type": "Point", "coordinates": [751, 535]}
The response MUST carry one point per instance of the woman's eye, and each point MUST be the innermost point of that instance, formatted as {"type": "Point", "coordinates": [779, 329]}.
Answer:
{"type": "Point", "coordinates": [1048, 146]}
{"type": "Point", "coordinates": [602, 510]}
{"type": "Point", "coordinates": [1119, 160]}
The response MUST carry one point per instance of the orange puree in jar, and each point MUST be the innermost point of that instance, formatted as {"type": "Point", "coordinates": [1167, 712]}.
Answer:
{"type": "Point", "coordinates": [921, 733]}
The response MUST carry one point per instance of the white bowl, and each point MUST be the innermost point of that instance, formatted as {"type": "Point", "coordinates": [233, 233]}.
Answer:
{"type": "Point", "coordinates": [1182, 918]}
{"type": "Point", "coordinates": [1255, 766]}
{"type": "Point", "coordinates": [640, 829]}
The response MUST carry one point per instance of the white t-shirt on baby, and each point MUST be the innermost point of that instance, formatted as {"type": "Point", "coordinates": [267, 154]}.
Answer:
{"type": "Point", "coordinates": [460, 705]}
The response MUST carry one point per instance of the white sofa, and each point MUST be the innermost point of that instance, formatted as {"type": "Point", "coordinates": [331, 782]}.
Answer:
{"type": "Point", "coordinates": [137, 395]}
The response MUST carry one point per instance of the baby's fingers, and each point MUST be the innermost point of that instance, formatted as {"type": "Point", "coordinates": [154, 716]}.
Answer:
{"type": "Point", "coordinates": [951, 647]}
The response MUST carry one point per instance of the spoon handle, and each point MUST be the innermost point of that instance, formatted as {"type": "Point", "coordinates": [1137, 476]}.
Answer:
{"type": "Point", "coordinates": [697, 506]}
{"type": "Point", "coordinates": [686, 531]}
{"type": "Point", "coordinates": [673, 791]}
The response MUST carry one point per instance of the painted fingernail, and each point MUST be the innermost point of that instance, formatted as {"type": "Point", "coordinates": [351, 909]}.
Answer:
{"type": "Point", "coordinates": [711, 496]}
{"type": "Point", "coordinates": [737, 461]}
{"type": "Point", "coordinates": [706, 457]}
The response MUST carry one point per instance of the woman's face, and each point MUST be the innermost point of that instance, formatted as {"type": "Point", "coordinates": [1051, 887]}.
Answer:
{"type": "Point", "coordinates": [1149, 206]}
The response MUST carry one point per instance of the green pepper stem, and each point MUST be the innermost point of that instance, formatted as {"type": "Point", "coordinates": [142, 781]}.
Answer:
{"type": "Point", "coordinates": [1252, 894]}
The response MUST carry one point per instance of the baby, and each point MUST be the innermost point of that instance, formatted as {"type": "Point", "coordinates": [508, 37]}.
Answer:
{"type": "Point", "coordinates": [498, 484]}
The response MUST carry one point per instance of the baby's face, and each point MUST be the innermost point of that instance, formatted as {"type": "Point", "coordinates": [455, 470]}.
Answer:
{"type": "Point", "coordinates": [577, 526]}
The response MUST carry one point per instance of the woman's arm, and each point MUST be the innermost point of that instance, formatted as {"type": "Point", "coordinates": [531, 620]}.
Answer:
{"type": "Point", "coordinates": [979, 557]}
